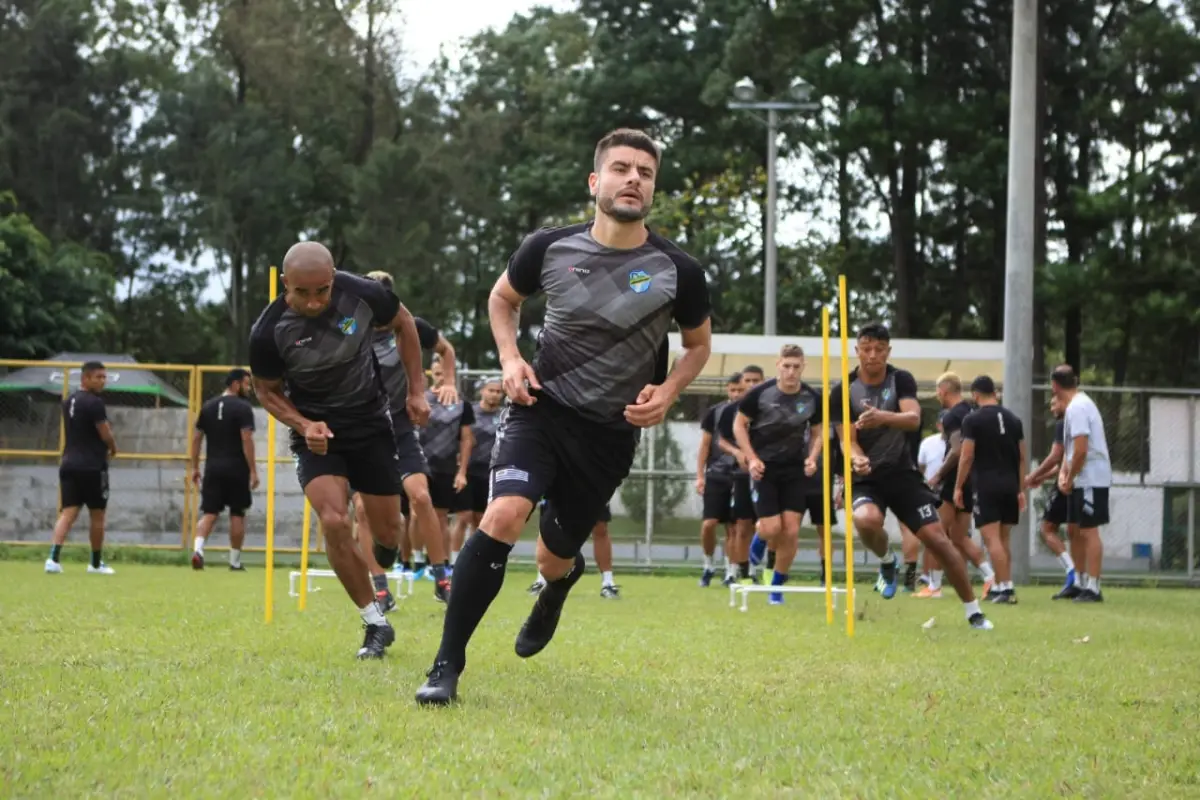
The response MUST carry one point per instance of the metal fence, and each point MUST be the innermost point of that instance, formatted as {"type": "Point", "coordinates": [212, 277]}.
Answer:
{"type": "Point", "coordinates": [656, 512]}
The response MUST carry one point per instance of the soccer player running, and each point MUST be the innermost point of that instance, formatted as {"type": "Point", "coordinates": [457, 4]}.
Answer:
{"type": "Point", "coordinates": [1058, 511]}
{"type": "Point", "coordinates": [83, 472]}
{"type": "Point", "coordinates": [413, 467]}
{"type": "Point", "coordinates": [487, 412]}
{"type": "Point", "coordinates": [742, 509]}
{"type": "Point", "coordinates": [956, 519]}
{"type": "Point", "coordinates": [230, 471]}
{"type": "Point", "coordinates": [714, 484]}
{"type": "Point", "coordinates": [993, 458]}
{"type": "Point", "coordinates": [315, 371]}
{"type": "Point", "coordinates": [883, 410]}
{"type": "Point", "coordinates": [612, 289]}
{"type": "Point", "coordinates": [778, 427]}
{"type": "Point", "coordinates": [448, 442]}
{"type": "Point", "coordinates": [1085, 475]}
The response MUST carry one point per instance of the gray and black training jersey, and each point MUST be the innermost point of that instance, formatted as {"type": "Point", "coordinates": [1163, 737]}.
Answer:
{"type": "Point", "coordinates": [780, 422]}
{"type": "Point", "coordinates": [607, 315]}
{"type": "Point", "coordinates": [326, 362]}
{"type": "Point", "coordinates": [84, 450]}
{"type": "Point", "coordinates": [718, 463]}
{"type": "Point", "coordinates": [441, 436]}
{"type": "Point", "coordinates": [887, 448]}
{"type": "Point", "coordinates": [484, 431]}
{"type": "Point", "coordinates": [391, 368]}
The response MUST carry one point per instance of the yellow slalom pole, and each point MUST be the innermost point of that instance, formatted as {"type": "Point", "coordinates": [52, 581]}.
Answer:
{"type": "Point", "coordinates": [303, 602]}
{"type": "Point", "coordinates": [826, 472]}
{"type": "Point", "coordinates": [848, 470]}
{"type": "Point", "coordinates": [270, 525]}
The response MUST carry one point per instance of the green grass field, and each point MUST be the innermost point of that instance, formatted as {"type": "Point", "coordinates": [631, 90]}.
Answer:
{"type": "Point", "coordinates": [161, 682]}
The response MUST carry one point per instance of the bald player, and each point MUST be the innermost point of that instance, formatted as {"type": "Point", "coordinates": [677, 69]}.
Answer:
{"type": "Point", "coordinates": [314, 370]}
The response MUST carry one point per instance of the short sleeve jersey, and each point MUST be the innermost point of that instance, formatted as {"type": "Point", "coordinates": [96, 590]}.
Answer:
{"type": "Point", "coordinates": [608, 312]}
{"type": "Point", "coordinates": [391, 368]}
{"type": "Point", "coordinates": [887, 448]}
{"type": "Point", "coordinates": [780, 423]}
{"type": "Point", "coordinates": [997, 434]}
{"type": "Point", "coordinates": [84, 450]}
{"type": "Point", "coordinates": [951, 424]}
{"type": "Point", "coordinates": [326, 362]}
{"type": "Point", "coordinates": [717, 462]}
{"type": "Point", "coordinates": [222, 420]}
{"type": "Point", "coordinates": [484, 431]}
{"type": "Point", "coordinates": [1083, 419]}
{"type": "Point", "coordinates": [441, 436]}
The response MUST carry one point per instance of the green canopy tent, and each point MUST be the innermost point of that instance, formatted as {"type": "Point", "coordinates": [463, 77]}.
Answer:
{"type": "Point", "coordinates": [125, 386]}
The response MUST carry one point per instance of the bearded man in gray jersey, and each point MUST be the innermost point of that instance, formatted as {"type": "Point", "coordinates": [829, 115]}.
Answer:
{"type": "Point", "coordinates": [314, 371]}
{"type": "Point", "coordinates": [612, 290]}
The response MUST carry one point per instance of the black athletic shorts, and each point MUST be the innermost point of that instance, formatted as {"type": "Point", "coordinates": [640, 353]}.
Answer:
{"type": "Point", "coordinates": [370, 465]}
{"type": "Point", "coordinates": [904, 491]}
{"type": "Point", "coordinates": [787, 489]}
{"type": "Point", "coordinates": [1058, 508]}
{"type": "Point", "coordinates": [84, 488]}
{"type": "Point", "coordinates": [549, 450]}
{"type": "Point", "coordinates": [219, 491]}
{"type": "Point", "coordinates": [718, 498]}
{"type": "Point", "coordinates": [409, 453]}
{"type": "Point", "coordinates": [443, 494]}
{"type": "Point", "coordinates": [946, 494]}
{"type": "Point", "coordinates": [475, 496]}
{"type": "Point", "coordinates": [991, 508]}
{"type": "Point", "coordinates": [741, 505]}
{"type": "Point", "coordinates": [1089, 507]}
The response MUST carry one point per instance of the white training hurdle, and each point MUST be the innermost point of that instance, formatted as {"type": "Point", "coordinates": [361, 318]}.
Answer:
{"type": "Point", "coordinates": [404, 582]}
{"type": "Point", "coordinates": [745, 591]}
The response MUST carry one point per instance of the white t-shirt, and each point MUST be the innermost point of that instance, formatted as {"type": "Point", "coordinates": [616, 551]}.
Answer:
{"type": "Point", "coordinates": [1083, 419]}
{"type": "Point", "coordinates": [931, 455]}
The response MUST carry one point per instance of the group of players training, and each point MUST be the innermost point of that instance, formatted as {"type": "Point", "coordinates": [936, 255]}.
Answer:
{"type": "Point", "coordinates": [568, 435]}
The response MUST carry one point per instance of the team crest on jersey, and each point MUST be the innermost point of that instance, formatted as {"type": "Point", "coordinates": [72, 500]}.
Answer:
{"type": "Point", "coordinates": [348, 325]}
{"type": "Point", "coordinates": [887, 395]}
{"type": "Point", "coordinates": [639, 281]}
{"type": "Point", "coordinates": [801, 406]}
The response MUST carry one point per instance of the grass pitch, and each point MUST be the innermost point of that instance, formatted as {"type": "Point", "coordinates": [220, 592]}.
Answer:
{"type": "Point", "coordinates": [161, 682]}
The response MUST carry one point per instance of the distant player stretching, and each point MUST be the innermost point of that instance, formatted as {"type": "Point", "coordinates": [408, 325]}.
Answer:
{"type": "Point", "coordinates": [314, 371]}
{"type": "Point", "coordinates": [612, 288]}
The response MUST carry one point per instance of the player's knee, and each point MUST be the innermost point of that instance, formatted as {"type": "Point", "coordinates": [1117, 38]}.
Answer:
{"type": "Point", "coordinates": [868, 517]}
{"type": "Point", "coordinates": [770, 527]}
{"type": "Point", "coordinates": [335, 522]}
{"type": "Point", "coordinates": [505, 518]}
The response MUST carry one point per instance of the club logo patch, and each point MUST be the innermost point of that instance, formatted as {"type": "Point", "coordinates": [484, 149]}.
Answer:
{"type": "Point", "coordinates": [639, 281]}
{"type": "Point", "coordinates": [348, 325]}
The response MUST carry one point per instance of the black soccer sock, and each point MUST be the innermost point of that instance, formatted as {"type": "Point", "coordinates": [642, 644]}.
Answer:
{"type": "Point", "coordinates": [55, 552]}
{"type": "Point", "coordinates": [96, 559]}
{"type": "Point", "coordinates": [477, 581]}
{"type": "Point", "coordinates": [380, 582]}
{"type": "Point", "coordinates": [744, 569]}
{"type": "Point", "coordinates": [770, 559]}
{"type": "Point", "coordinates": [438, 572]}
{"type": "Point", "coordinates": [406, 566]}
{"type": "Point", "coordinates": [910, 574]}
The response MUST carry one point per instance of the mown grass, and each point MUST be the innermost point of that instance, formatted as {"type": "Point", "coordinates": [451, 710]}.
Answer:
{"type": "Point", "coordinates": [162, 682]}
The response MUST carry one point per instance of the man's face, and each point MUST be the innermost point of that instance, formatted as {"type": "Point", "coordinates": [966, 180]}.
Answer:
{"type": "Point", "coordinates": [624, 186]}
{"type": "Point", "coordinates": [491, 395]}
{"type": "Point", "coordinates": [943, 395]}
{"type": "Point", "coordinates": [789, 371]}
{"type": "Point", "coordinates": [243, 387]}
{"type": "Point", "coordinates": [94, 381]}
{"type": "Point", "coordinates": [750, 380]}
{"type": "Point", "coordinates": [1056, 403]}
{"type": "Point", "coordinates": [438, 374]}
{"type": "Point", "coordinates": [735, 391]}
{"type": "Point", "coordinates": [872, 354]}
{"type": "Point", "coordinates": [308, 291]}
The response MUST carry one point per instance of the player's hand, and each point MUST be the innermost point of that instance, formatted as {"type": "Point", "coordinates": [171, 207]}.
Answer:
{"type": "Point", "coordinates": [1032, 483]}
{"type": "Point", "coordinates": [446, 395]}
{"type": "Point", "coordinates": [418, 409]}
{"type": "Point", "coordinates": [871, 417]}
{"type": "Point", "coordinates": [1021, 502]}
{"type": "Point", "coordinates": [757, 469]}
{"type": "Point", "coordinates": [195, 477]}
{"type": "Point", "coordinates": [839, 496]}
{"type": "Point", "coordinates": [460, 482]}
{"type": "Point", "coordinates": [253, 480]}
{"type": "Point", "coordinates": [861, 465]}
{"type": "Point", "coordinates": [958, 498]}
{"type": "Point", "coordinates": [518, 379]}
{"type": "Point", "coordinates": [700, 485]}
{"type": "Point", "coordinates": [1065, 483]}
{"type": "Point", "coordinates": [810, 467]}
{"type": "Point", "coordinates": [317, 436]}
{"type": "Point", "coordinates": [651, 406]}
{"type": "Point", "coordinates": [740, 458]}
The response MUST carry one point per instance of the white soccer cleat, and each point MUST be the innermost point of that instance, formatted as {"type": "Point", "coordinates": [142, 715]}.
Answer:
{"type": "Point", "coordinates": [53, 567]}
{"type": "Point", "coordinates": [103, 569]}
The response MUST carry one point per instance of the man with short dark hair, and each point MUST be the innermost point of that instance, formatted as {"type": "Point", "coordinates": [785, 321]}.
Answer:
{"type": "Point", "coordinates": [1057, 512]}
{"type": "Point", "coordinates": [487, 412]}
{"type": "Point", "coordinates": [741, 509]}
{"type": "Point", "coordinates": [1085, 475]}
{"type": "Point", "coordinates": [993, 458]}
{"type": "Point", "coordinates": [230, 471]}
{"type": "Point", "coordinates": [600, 375]}
{"type": "Point", "coordinates": [714, 484]}
{"type": "Point", "coordinates": [83, 473]}
{"type": "Point", "coordinates": [315, 371]}
{"type": "Point", "coordinates": [883, 410]}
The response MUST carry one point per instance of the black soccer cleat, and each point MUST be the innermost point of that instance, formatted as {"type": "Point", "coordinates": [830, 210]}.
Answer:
{"type": "Point", "coordinates": [706, 578]}
{"type": "Point", "coordinates": [1088, 596]}
{"type": "Point", "coordinates": [539, 628]}
{"type": "Point", "coordinates": [440, 687]}
{"type": "Point", "coordinates": [1069, 592]}
{"type": "Point", "coordinates": [237, 567]}
{"type": "Point", "coordinates": [377, 641]}
{"type": "Point", "coordinates": [441, 590]}
{"type": "Point", "coordinates": [980, 623]}
{"type": "Point", "coordinates": [385, 601]}
{"type": "Point", "coordinates": [1004, 597]}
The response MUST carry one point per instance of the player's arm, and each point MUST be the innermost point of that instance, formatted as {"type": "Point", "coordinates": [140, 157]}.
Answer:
{"type": "Point", "coordinates": [1079, 453]}
{"type": "Point", "coordinates": [409, 345]}
{"type": "Point", "coordinates": [966, 459]}
{"type": "Point", "coordinates": [741, 434]}
{"type": "Point", "coordinates": [952, 458]}
{"type": "Point", "coordinates": [702, 454]}
{"type": "Point", "coordinates": [266, 375]}
{"type": "Point", "coordinates": [847, 434]}
{"type": "Point", "coordinates": [197, 443]}
{"type": "Point", "coordinates": [692, 311]}
{"type": "Point", "coordinates": [445, 353]}
{"type": "Point", "coordinates": [466, 443]}
{"type": "Point", "coordinates": [248, 447]}
{"type": "Point", "coordinates": [1048, 467]}
{"type": "Point", "coordinates": [1023, 466]}
{"type": "Point", "coordinates": [104, 429]}
{"type": "Point", "coordinates": [816, 437]}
